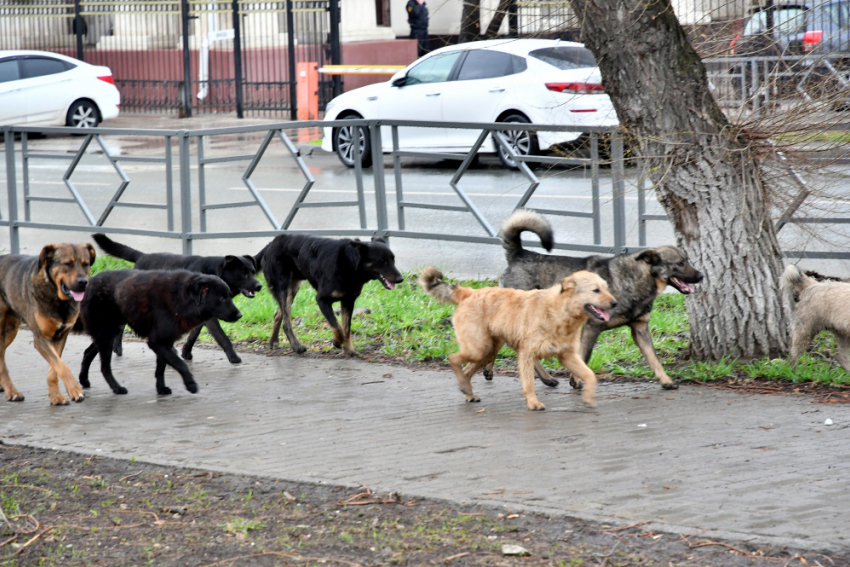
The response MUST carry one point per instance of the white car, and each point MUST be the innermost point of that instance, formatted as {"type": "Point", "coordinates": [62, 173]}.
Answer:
{"type": "Point", "coordinates": [49, 89]}
{"type": "Point", "coordinates": [537, 81]}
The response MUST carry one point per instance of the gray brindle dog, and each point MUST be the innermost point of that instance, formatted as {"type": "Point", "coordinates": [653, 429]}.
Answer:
{"type": "Point", "coordinates": [634, 279]}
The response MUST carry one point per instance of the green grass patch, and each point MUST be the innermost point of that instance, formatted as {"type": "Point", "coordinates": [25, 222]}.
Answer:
{"type": "Point", "coordinates": [406, 325]}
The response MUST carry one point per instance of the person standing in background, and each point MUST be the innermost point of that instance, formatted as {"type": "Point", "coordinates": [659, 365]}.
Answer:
{"type": "Point", "coordinates": [417, 17]}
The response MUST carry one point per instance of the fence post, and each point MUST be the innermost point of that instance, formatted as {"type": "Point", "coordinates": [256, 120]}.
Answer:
{"type": "Point", "coordinates": [237, 59]}
{"type": "Point", "coordinates": [186, 99]}
{"type": "Point", "coordinates": [79, 26]}
{"type": "Point", "coordinates": [293, 87]}
{"type": "Point", "coordinates": [618, 189]}
{"type": "Point", "coordinates": [594, 188]}
{"type": "Point", "coordinates": [185, 192]}
{"type": "Point", "coordinates": [12, 190]}
{"type": "Point", "coordinates": [378, 176]}
{"type": "Point", "coordinates": [336, 54]}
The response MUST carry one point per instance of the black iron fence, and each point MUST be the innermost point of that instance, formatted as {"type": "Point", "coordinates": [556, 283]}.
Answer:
{"type": "Point", "coordinates": [187, 55]}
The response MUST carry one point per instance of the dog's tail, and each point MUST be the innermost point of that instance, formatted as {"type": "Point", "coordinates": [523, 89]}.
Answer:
{"type": "Point", "coordinates": [793, 282]}
{"type": "Point", "coordinates": [258, 258]}
{"type": "Point", "coordinates": [431, 280]}
{"type": "Point", "coordinates": [520, 221]}
{"type": "Point", "coordinates": [115, 249]}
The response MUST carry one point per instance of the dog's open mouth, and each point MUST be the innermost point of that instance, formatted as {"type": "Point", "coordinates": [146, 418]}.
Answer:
{"type": "Point", "coordinates": [76, 295]}
{"type": "Point", "coordinates": [385, 282]}
{"type": "Point", "coordinates": [247, 293]}
{"type": "Point", "coordinates": [680, 285]}
{"type": "Point", "coordinates": [600, 314]}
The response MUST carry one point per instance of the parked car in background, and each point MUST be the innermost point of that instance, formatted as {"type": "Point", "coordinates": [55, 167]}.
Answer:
{"type": "Point", "coordinates": [528, 81]}
{"type": "Point", "coordinates": [826, 30]}
{"type": "Point", "coordinates": [797, 29]}
{"type": "Point", "coordinates": [771, 31]}
{"type": "Point", "coordinates": [49, 89]}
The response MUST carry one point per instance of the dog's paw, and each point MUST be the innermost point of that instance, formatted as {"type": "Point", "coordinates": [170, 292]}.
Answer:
{"type": "Point", "coordinates": [589, 402]}
{"type": "Point", "coordinates": [120, 390]}
{"type": "Point", "coordinates": [472, 399]}
{"type": "Point", "coordinates": [187, 355]}
{"type": "Point", "coordinates": [164, 391]}
{"type": "Point", "coordinates": [535, 405]}
{"type": "Point", "coordinates": [14, 397]}
{"type": "Point", "coordinates": [551, 382]}
{"type": "Point", "coordinates": [487, 374]}
{"type": "Point", "coordinates": [84, 382]}
{"type": "Point", "coordinates": [575, 383]}
{"type": "Point", "coordinates": [670, 386]}
{"type": "Point", "coordinates": [234, 359]}
{"type": "Point", "coordinates": [192, 387]}
{"type": "Point", "coordinates": [299, 349]}
{"type": "Point", "coordinates": [59, 400]}
{"type": "Point", "coordinates": [119, 351]}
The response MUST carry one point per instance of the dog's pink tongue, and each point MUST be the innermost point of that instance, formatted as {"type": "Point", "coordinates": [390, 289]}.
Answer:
{"type": "Point", "coordinates": [390, 284]}
{"type": "Point", "coordinates": [683, 286]}
{"type": "Point", "coordinates": [78, 295]}
{"type": "Point", "coordinates": [605, 316]}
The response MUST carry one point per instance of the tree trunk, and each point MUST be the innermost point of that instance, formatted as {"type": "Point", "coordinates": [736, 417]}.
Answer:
{"type": "Point", "coordinates": [706, 174]}
{"type": "Point", "coordinates": [470, 21]}
{"type": "Point", "coordinates": [498, 18]}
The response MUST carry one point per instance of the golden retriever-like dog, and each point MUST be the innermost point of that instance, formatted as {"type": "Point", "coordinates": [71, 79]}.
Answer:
{"type": "Point", "coordinates": [536, 324]}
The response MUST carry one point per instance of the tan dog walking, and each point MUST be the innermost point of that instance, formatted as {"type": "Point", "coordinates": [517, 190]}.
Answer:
{"type": "Point", "coordinates": [536, 324]}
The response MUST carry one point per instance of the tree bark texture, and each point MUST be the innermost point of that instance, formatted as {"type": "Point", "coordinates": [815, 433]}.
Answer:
{"type": "Point", "coordinates": [498, 18]}
{"type": "Point", "coordinates": [470, 21]}
{"type": "Point", "coordinates": [706, 174]}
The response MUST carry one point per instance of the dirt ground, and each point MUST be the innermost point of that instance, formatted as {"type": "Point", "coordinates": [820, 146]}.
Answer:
{"type": "Point", "coordinates": [63, 508]}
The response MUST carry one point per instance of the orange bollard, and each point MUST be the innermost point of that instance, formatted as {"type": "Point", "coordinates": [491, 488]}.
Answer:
{"type": "Point", "coordinates": [307, 89]}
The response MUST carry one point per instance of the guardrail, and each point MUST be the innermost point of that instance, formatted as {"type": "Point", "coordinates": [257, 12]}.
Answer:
{"type": "Point", "coordinates": [188, 198]}
{"type": "Point", "coordinates": [185, 196]}
{"type": "Point", "coordinates": [758, 81]}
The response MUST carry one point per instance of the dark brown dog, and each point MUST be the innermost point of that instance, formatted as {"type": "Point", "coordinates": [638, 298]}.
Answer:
{"type": "Point", "coordinates": [44, 292]}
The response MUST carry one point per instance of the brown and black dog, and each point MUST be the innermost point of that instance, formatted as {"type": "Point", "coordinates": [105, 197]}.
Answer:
{"type": "Point", "coordinates": [536, 324]}
{"type": "Point", "coordinates": [44, 292]}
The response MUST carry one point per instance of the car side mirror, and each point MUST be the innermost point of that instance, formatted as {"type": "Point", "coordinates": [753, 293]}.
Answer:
{"type": "Point", "coordinates": [400, 82]}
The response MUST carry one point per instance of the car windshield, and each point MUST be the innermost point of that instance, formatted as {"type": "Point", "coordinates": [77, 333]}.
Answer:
{"type": "Point", "coordinates": [565, 57]}
{"type": "Point", "coordinates": [786, 21]}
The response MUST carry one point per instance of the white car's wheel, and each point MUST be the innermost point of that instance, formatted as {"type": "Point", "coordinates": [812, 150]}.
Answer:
{"type": "Point", "coordinates": [83, 114]}
{"type": "Point", "coordinates": [343, 141]}
{"type": "Point", "coordinates": [522, 142]}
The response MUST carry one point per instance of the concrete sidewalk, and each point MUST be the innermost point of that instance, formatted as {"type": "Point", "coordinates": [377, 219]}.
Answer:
{"type": "Point", "coordinates": [743, 467]}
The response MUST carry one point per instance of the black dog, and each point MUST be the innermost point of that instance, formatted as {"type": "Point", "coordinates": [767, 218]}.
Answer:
{"type": "Point", "coordinates": [337, 269]}
{"type": "Point", "coordinates": [161, 306]}
{"type": "Point", "coordinates": [237, 272]}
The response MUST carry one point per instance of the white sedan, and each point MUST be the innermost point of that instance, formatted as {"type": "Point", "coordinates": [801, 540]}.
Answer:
{"type": "Point", "coordinates": [49, 89]}
{"type": "Point", "coordinates": [537, 81]}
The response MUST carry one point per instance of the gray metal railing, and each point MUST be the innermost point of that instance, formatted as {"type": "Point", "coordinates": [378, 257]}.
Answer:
{"type": "Point", "coordinates": [184, 196]}
{"type": "Point", "coordinates": [755, 82]}
{"type": "Point", "coordinates": [190, 198]}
